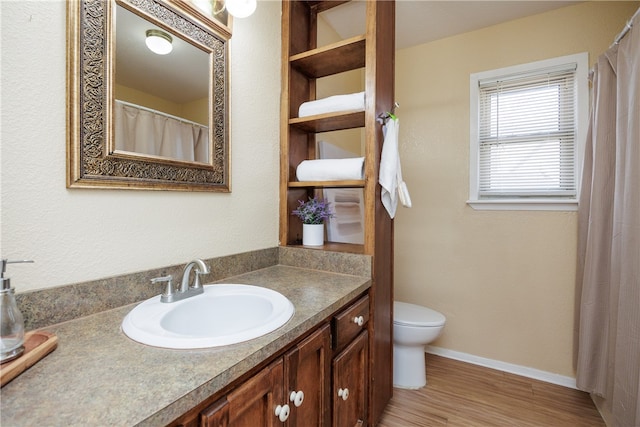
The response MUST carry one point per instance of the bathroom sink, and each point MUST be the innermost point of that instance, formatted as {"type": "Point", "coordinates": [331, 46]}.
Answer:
{"type": "Point", "coordinates": [224, 314]}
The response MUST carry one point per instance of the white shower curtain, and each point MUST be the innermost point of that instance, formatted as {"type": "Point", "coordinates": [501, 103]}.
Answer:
{"type": "Point", "coordinates": [608, 273]}
{"type": "Point", "coordinates": [144, 131]}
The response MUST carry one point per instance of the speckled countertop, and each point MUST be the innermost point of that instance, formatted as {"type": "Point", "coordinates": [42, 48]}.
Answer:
{"type": "Point", "coordinates": [99, 377]}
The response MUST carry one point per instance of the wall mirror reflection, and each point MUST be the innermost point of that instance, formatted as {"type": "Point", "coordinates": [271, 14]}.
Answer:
{"type": "Point", "coordinates": [161, 104]}
{"type": "Point", "coordinates": [140, 119]}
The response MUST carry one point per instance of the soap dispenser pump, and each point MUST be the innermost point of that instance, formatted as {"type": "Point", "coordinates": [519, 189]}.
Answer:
{"type": "Point", "coordinates": [11, 320]}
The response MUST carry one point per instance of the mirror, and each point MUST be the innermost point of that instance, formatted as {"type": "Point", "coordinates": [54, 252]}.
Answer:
{"type": "Point", "coordinates": [161, 106]}
{"type": "Point", "coordinates": [138, 120]}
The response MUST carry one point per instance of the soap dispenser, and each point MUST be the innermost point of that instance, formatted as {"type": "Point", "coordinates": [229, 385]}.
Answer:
{"type": "Point", "coordinates": [11, 320]}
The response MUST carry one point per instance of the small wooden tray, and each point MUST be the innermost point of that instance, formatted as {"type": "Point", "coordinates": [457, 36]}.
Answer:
{"type": "Point", "coordinates": [37, 344]}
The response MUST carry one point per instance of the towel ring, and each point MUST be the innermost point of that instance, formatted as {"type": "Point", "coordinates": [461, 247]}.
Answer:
{"type": "Point", "coordinates": [382, 118]}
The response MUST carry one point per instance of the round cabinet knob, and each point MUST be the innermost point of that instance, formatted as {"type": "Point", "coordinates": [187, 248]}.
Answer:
{"type": "Point", "coordinates": [359, 320]}
{"type": "Point", "coordinates": [282, 412]}
{"type": "Point", "coordinates": [297, 398]}
{"type": "Point", "coordinates": [343, 393]}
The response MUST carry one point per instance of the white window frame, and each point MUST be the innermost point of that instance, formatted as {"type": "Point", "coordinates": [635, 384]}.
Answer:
{"type": "Point", "coordinates": [581, 60]}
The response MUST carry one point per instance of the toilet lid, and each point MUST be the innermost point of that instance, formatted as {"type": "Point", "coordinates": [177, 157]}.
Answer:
{"type": "Point", "coordinates": [416, 315]}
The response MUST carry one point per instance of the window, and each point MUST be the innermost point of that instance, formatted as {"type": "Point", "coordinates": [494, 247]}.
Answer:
{"type": "Point", "coordinates": [528, 125]}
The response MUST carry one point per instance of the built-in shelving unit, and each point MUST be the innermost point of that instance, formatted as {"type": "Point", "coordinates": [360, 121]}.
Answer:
{"type": "Point", "coordinates": [303, 62]}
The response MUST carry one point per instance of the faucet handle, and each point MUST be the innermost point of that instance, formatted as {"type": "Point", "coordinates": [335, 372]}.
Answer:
{"type": "Point", "coordinates": [201, 269]}
{"type": "Point", "coordinates": [169, 291]}
{"type": "Point", "coordinates": [196, 281]}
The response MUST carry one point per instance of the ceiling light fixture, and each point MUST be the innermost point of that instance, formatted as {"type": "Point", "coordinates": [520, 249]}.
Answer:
{"type": "Point", "coordinates": [241, 8]}
{"type": "Point", "coordinates": [159, 42]}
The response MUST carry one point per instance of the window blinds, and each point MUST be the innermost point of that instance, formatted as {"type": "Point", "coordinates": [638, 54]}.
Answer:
{"type": "Point", "coordinates": [527, 134]}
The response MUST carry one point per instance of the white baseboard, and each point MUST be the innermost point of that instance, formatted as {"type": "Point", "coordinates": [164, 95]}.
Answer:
{"type": "Point", "coordinates": [504, 366]}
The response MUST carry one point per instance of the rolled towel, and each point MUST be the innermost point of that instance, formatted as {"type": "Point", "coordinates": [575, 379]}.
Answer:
{"type": "Point", "coordinates": [330, 169]}
{"type": "Point", "coordinates": [332, 104]}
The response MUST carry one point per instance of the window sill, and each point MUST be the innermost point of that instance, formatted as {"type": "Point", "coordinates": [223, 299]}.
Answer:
{"type": "Point", "coordinates": [524, 205]}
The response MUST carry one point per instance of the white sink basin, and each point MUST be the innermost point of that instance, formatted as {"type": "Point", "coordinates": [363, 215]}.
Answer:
{"type": "Point", "coordinates": [224, 314]}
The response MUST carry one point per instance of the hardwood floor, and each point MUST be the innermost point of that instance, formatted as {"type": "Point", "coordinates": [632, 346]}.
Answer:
{"type": "Point", "coordinates": [464, 395]}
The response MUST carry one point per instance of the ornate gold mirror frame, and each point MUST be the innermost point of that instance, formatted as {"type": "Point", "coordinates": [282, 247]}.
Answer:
{"type": "Point", "coordinates": [92, 161]}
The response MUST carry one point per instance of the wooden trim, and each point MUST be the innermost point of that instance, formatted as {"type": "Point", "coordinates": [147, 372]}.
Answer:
{"type": "Point", "coordinates": [327, 184]}
{"type": "Point", "coordinates": [379, 75]}
{"type": "Point", "coordinates": [302, 64]}
{"type": "Point", "coordinates": [322, 5]}
{"type": "Point", "coordinates": [330, 121]}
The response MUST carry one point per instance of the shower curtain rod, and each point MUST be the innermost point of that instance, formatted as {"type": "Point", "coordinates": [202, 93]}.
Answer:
{"type": "Point", "coordinates": [626, 28]}
{"type": "Point", "coordinates": [161, 113]}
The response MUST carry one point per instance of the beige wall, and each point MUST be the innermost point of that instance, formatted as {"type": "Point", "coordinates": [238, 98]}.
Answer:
{"type": "Point", "coordinates": [504, 280]}
{"type": "Point", "coordinates": [79, 235]}
{"type": "Point", "coordinates": [135, 96]}
{"type": "Point", "coordinates": [197, 110]}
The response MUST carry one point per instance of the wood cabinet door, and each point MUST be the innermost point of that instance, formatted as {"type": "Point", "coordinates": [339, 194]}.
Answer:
{"type": "Point", "coordinates": [250, 405]}
{"type": "Point", "coordinates": [216, 415]}
{"type": "Point", "coordinates": [307, 369]}
{"type": "Point", "coordinates": [349, 388]}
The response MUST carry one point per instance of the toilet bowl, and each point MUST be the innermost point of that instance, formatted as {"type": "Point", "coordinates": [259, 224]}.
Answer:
{"type": "Point", "coordinates": [414, 326]}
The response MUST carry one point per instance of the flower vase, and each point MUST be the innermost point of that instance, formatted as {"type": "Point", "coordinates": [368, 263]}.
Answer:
{"type": "Point", "coordinates": [312, 234]}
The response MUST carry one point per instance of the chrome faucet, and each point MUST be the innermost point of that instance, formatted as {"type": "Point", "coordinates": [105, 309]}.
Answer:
{"type": "Point", "coordinates": [201, 268]}
{"type": "Point", "coordinates": [185, 291]}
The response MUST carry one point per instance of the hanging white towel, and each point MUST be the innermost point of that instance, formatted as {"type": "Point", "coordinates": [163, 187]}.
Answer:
{"type": "Point", "coordinates": [393, 187]}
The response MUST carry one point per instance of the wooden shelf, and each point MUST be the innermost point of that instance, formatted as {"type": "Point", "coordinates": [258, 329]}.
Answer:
{"type": "Point", "coordinates": [335, 58]}
{"type": "Point", "coordinates": [329, 121]}
{"type": "Point", "coordinates": [335, 247]}
{"type": "Point", "coordinates": [322, 5]}
{"type": "Point", "coordinates": [357, 183]}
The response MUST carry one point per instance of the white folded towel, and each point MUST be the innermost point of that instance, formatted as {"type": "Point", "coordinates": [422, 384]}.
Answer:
{"type": "Point", "coordinates": [332, 104]}
{"type": "Point", "coordinates": [330, 169]}
{"type": "Point", "coordinates": [393, 187]}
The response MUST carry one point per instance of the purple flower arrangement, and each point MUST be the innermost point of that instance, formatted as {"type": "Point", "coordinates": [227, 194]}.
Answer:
{"type": "Point", "coordinates": [314, 211]}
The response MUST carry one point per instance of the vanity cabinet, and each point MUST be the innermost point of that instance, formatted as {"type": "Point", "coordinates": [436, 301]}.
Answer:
{"type": "Point", "coordinates": [350, 366]}
{"type": "Point", "coordinates": [293, 390]}
{"type": "Point", "coordinates": [251, 404]}
{"type": "Point", "coordinates": [308, 370]}
{"type": "Point", "coordinates": [320, 381]}
{"type": "Point", "coordinates": [350, 397]}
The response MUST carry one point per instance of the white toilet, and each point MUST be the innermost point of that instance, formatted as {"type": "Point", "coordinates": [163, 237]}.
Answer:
{"type": "Point", "coordinates": [414, 326]}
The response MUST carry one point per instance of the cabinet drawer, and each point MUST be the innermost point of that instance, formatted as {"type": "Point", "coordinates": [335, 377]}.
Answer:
{"type": "Point", "coordinates": [350, 322]}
